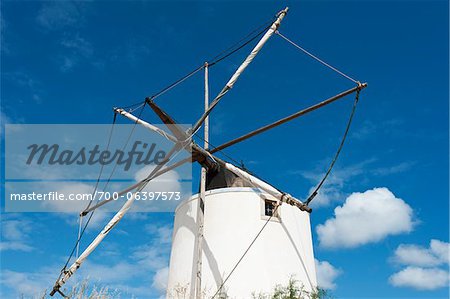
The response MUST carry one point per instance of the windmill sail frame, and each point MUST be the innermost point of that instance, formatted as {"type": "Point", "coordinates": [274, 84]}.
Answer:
{"type": "Point", "coordinates": [182, 140]}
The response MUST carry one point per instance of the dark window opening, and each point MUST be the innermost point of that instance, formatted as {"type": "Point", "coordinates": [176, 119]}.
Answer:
{"type": "Point", "coordinates": [269, 207]}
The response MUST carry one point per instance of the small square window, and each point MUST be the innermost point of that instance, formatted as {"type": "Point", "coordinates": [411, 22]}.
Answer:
{"type": "Point", "coordinates": [269, 208]}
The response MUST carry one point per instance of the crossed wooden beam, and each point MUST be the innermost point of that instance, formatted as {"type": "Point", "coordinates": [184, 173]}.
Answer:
{"type": "Point", "coordinates": [183, 140]}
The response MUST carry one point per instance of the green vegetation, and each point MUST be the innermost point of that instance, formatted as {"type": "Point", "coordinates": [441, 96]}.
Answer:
{"type": "Point", "coordinates": [293, 290]}
{"type": "Point", "coordinates": [83, 290]}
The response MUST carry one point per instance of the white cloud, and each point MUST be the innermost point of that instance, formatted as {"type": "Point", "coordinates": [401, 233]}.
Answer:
{"type": "Point", "coordinates": [366, 218]}
{"type": "Point", "coordinates": [15, 235]}
{"type": "Point", "coordinates": [67, 63]}
{"type": "Point", "coordinates": [76, 50]}
{"type": "Point", "coordinates": [420, 278]}
{"type": "Point", "coordinates": [167, 182]}
{"type": "Point", "coordinates": [34, 283]}
{"type": "Point", "coordinates": [68, 189]}
{"type": "Point", "coordinates": [161, 234]}
{"type": "Point", "coordinates": [332, 190]}
{"type": "Point", "coordinates": [401, 167]}
{"type": "Point", "coordinates": [26, 82]}
{"type": "Point", "coordinates": [125, 276]}
{"type": "Point", "coordinates": [60, 14]}
{"type": "Point", "coordinates": [132, 52]}
{"type": "Point", "coordinates": [79, 45]}
{"type": "Point", "coordinates": [15, 246]}
{"type": "Point", "coordinates": [441, 250]}
{"type": "Point", "coordinates": [422, 270]}
{"type": "Point", "coordinates": [26, 284]}
{"type": "Point", "coordinates": [160, 279]}
{"type": "Point", "coordinates": [413, 255]}
{"type": "Point", "coordinates": [150, 256]}
{"type": "Point", "coordinates": [326, 274]}
{"type": "Point", "coordinates": [389, 127]}
{"type": "Point", "coordinates": [110, 274]}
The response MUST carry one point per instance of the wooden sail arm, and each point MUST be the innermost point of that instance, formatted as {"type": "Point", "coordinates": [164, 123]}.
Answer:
{"type": "Point", "coordinates": [196, 156]}
{"type": "Point", "coordinates": [111, 224]}
{"type": "Point", "coordinates": [181, 136]}
{"type": "Point", "coordinates": [135, 186]}
{"type": "Point", "coordinates": [288, 118]}
{"type": "Point", "coordinates": [168, 121]}
{"type": "Point", "coordinates": [241, 68]}
{"type": "Point", "coordinates": [145, 124]}
{"type": "Point", "coordinates": [258, 183]}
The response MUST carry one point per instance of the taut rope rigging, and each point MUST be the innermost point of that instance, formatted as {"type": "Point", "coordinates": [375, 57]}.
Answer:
{"type": "Point", "coordinates": [355, 103]}
{"type": "Point", "coordinates": [316, 58]}
{"type": "Point", "coordinates": [205, 157]}
{"type": "Point", "coordinates": [246, 251]}
{"type": "Point", "coordinates": [81, 230]}
{"type": "Point", "coordinates": [218, 58]}
{"type": "Point", "coordinates": [336, 156]}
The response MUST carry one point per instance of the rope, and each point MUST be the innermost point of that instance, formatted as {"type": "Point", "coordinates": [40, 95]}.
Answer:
{"type": "Point", "coordinates": [316, 58]}
{"type": "Point", "coordinates": [241, 163]}
{"type": "Point", "coordinates": [81, 231]}
{"type": "Point", "coordinates": [125, 145]}
{"type": "Point", "coordinates": [80, 224]}
{"type": "Point", "coordinates": [341, 145]}
{"type": "Point", "coordinates": [177, 82]}
{"type": "Point", "coordinates": [216, 59]}
{"type": "Point", "coordinates": [245, 252]}
{"type": "Point", "coordinates": [221, 151]}
{"type": "Point", "coordinates": [133, 105]}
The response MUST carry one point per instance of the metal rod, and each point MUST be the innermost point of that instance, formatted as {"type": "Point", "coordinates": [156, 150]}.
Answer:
{"type": "Point", "coordinates": [241, 68]}
{"type": "Point", "coordinates": [288, 118]}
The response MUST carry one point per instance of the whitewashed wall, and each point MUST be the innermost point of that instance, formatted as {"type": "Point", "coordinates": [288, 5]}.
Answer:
{"type": "Point", "coordinates": [233, 217]}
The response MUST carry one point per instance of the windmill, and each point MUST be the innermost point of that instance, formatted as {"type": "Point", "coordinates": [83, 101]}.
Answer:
{"type": "Point", "coordinates": [240, 234]}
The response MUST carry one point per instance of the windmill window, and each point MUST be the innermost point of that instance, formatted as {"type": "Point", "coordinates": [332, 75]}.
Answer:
{"type": "Point", "coordinates": [269, 208]}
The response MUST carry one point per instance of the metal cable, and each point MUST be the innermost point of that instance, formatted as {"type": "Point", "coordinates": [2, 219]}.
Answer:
{"type": "Point", "coordinates": [246, 251]}
{"type": "Point", "coordinates": [216, 59]}
{"type": "Point", "coordinates": [221, 151]}
{"type": "Point", "coordinates": [341, 145]}
{"type": "Point", "coordinates": [213, 147]}
{"type": "Point", "coordinates": [219, 56]}
{"type": "Point", "coordinates": [241, 46]}
{"type": "Point", "coordinates": [179, 81]}
{"type": "Point", "coordinates": [309, 199]}
{"type": "Point", "coordinates": [81, 231]}
{"type": "Point", "coordinates": [125, 145]}
{"type": "Point", "coordinates": [316, 58]}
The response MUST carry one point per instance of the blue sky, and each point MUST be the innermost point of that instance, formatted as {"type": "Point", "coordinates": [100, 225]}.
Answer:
{"type": "Point", "coordinates": [70, 62]}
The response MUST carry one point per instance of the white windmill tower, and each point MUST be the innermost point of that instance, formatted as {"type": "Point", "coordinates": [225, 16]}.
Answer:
{"type": "Point", "coordinates": [239, 235]}
{"type": "Point", "coordinates": [214, 232]}
{"type": "Point", "coordinates": [219, 247]}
